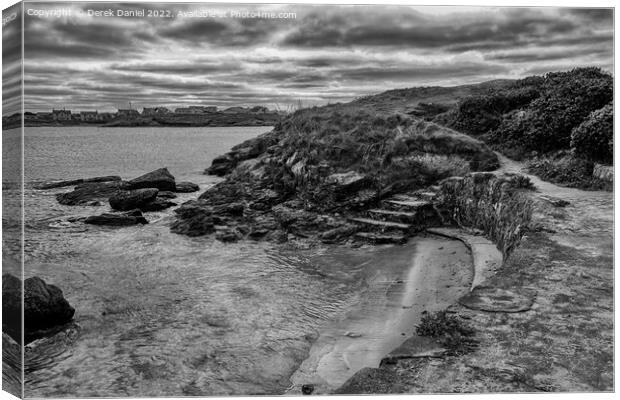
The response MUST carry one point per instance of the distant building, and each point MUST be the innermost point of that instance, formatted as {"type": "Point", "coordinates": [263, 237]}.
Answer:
{"type": "Point", "coordinates": [153, 111]}
{"type": "Point", "coordinates": [106, 116]}
{"type": "Point", "coordinates": [89, 116]}
{"type": "Point", "coordinates": [61, 115]}
{"type": "Point", "coordinates": [130, 113]}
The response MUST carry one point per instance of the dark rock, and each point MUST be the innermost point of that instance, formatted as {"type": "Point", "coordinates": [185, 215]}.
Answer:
{"type": "Point", "coordinates": [235, 209]}
{"type": "Point", "coordinates": [194, 219]}
{"type": "Point", "coordinates": [73, 182]}
{"type": "Point", "coordinates": [221, 165]}
{"type": "Point", "coordinates": [133, 217]}
{"type": "Point", "coordinates": [86, 193]}
{"type": "Point", "coordinates": [287, 216]}
{"type": "Point", "coordinates": [493, 299]}
{"type": "Point", "coordinates": [157, 205]}
{"type": "Point", "coordinates": [348, 182]}
{"type": "Point", "coordinates": [415, 347]}
{"type": "Point", "coordinates": [277, 236]}
{"type": "Point", "coordinates": [228, 235]}
{"type": "Point", "coordinates": [307, 389]}
{"type": "Point", "coordinates": [131, 199]}
{"type": "Point", "coordinates": [164, 194]}
{"type": "Point", "coordinates": [187, 187]}
{"type": "Point", "coordinates": [11, 306]}
{"type": "Point", "coordinates": [338, 234]}
{"type": "Point", "coordinates": [257, 233]}
{"type": "Point", "coordinates": [44, 307]}
{"type": "Point", "coordinates": [160, 179]}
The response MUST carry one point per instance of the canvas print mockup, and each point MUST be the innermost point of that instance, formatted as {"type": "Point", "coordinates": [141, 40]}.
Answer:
{"type": "Point", "coordinates": [213, 199]}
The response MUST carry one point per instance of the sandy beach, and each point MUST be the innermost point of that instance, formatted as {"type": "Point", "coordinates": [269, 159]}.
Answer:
{"type": "Point", "coordinates": [427, 274]}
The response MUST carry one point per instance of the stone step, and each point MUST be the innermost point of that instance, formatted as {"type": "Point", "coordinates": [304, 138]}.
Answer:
{"type": "Point", "coordinates": [427, 195]}
{"type": "Point", "coordinates": [412, 204]}
{"type": "Point", "coordinates": [378, 238]}
{"type": "Point", "coordinates": [391, 215]}
{"type": "Point", "coordinates": [381, 224]}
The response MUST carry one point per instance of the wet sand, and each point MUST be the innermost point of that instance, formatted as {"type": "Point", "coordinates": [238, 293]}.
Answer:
{"type": "Point", "coordinates": [427, 274]}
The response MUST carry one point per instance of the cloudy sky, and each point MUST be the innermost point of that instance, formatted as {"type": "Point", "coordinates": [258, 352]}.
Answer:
{"type": "Point", "coordinates": [324, 54]}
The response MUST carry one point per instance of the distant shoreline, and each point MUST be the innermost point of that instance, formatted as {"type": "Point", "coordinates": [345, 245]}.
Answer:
{"type": "Point", "coordinates": [217, 119]}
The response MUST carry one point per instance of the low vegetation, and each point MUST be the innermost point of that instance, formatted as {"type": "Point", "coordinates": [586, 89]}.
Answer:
{"type": "Point", "coordinates": [392, 150]}
{"type": "Point", "coordinates": [449, 330]}
{"type": "Point", "coordinates": [541, 116]}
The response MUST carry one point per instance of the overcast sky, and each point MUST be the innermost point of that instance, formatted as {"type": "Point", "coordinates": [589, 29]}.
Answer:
{"type": "Point", "coordinates": [325, 54]}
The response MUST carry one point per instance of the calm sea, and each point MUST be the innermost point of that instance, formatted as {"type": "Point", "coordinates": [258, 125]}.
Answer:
{"type": "Point", "coordinates": [161, 314]}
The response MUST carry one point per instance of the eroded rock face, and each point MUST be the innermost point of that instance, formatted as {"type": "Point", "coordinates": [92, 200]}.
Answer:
{"type": "Point", "coordinates": [130, 199]}
{"type": "Point", "coordinates": [160, 179]}
{"type": "Point", "coordinates": [86, 193]}
{"type": "Point", "coordinates": [45, 307]}
{"type": "Point", "coordinates": [133, 217]}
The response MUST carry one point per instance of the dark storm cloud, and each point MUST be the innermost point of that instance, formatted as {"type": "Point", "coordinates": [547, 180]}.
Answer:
{"type": "Point", "coordinates": [326, 54]}
{"type": "Point", "coordinates": [415, 73]}
{"type": "Point", "coordinates": [512, 27]}
{"type": "Point", "coordinates": [228, 32]}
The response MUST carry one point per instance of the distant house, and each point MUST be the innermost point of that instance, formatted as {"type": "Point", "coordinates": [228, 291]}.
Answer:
{"type": "Point", "coordinates": [106, 116]}
{"type": "Point", "coordinates": [129, 113]}
{"type": "Point", "coordinates": [153, 111]}
{"type": "Point", "coordinates": [61, 115]}
{"type": "Point", "coordinates": [89, 116]}
{"type": "Point", "coordinates": [182, 110]}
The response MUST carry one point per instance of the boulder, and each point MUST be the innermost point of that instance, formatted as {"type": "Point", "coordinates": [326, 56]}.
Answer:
{"type": "Point", "coordinates": [157, 205]}
{"type": "Point", "coordinates": [164, 194]}
{"type": "Point", "coordinates": [73, 182]}
{"type": "Point", "coordinates": [11, 306]}
{"type": "Point", "coordinates": [160, 179]}
{"type": "Point", "coordinates": [187, 187]}
{"type": "Point", "coordinates": [221, 165]}
{"type": "Point", "coordinates": [45, 308]}
{"type": "Point", "coordinates": [131, 199]}
{"type": "Point", "coordinates": [87, 193]}
{"type": "Point", "coordinates": [133, 217]}
{"type": "Point", "coordinates": [348, 182]}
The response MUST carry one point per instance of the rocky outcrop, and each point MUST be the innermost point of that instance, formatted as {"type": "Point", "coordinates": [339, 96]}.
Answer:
{"type": "Point", "coordinates": [129, 218]}
{"type": "Point", "coordinates": [130, 199]}
{"type": "Point", "coordinates": [74, 182]}
{"type": "Point", "coordinates": [186, 187]}
{"type": "Point", "coordinates": [160, 179]}
{"type": "Point", "coordinates": [85, 193]}
{"type": "Point", "coordinates": [223, 165]}
{"type": "Point", "coordinates": [45, 308]}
